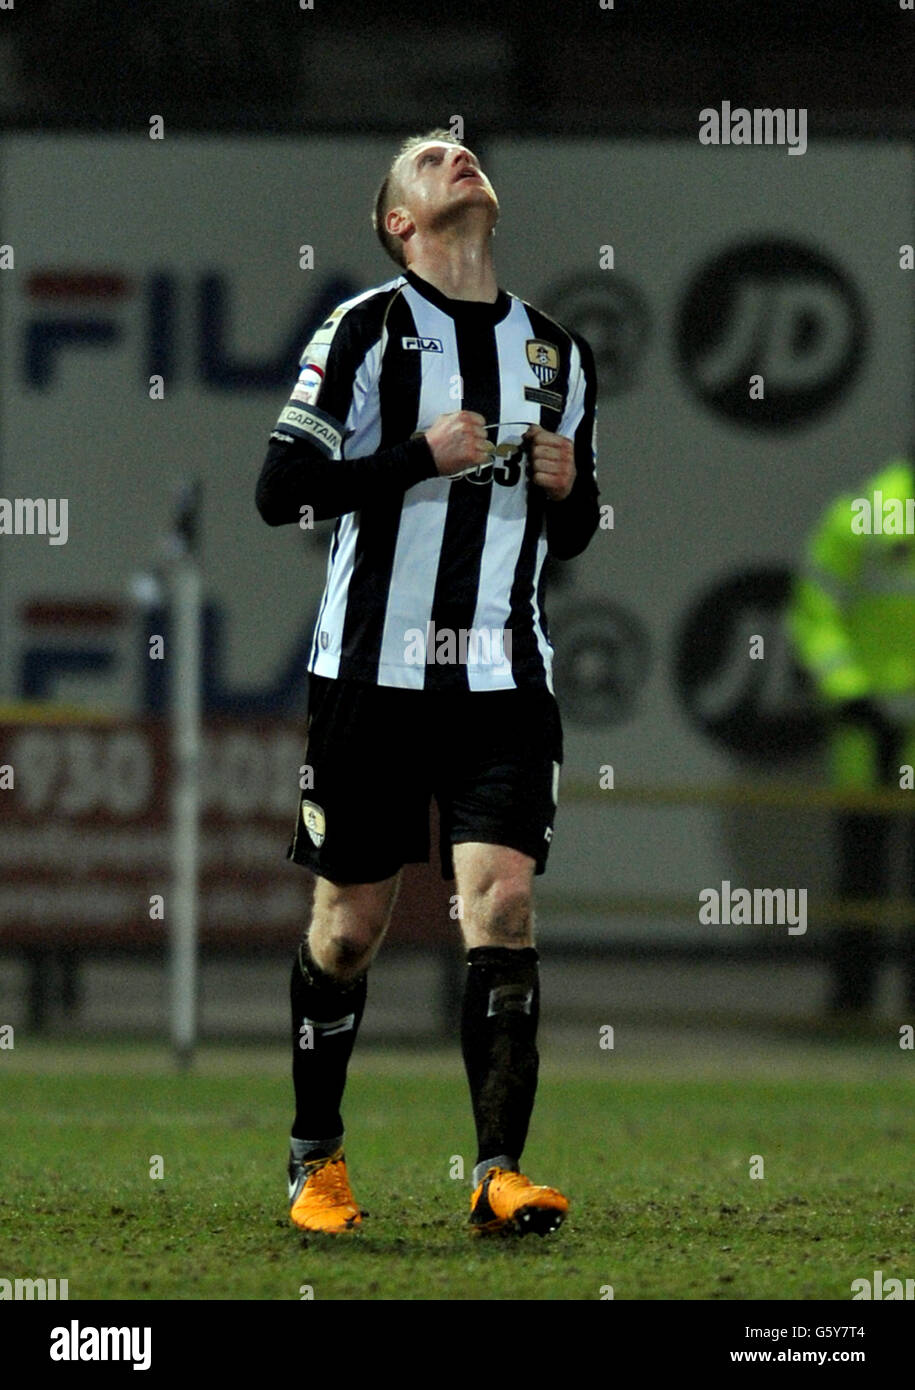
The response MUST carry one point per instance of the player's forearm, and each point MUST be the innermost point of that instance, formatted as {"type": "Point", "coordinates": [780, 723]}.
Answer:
{"type": "Point", "coordinates": [297, 475]}
{"type": "Point", "coordinates": [571, 523]}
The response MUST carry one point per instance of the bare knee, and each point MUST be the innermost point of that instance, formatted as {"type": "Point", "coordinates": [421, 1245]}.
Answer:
{"type": "Point", "coordinates": [348, 924]}
{"type": "Point", "coordinates": [501, 915]}
{"type": "Point", "coordinates": [344, 957]}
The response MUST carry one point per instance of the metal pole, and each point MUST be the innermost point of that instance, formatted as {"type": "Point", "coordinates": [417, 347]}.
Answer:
{"type": "Point", "coordinates": [184, 706]}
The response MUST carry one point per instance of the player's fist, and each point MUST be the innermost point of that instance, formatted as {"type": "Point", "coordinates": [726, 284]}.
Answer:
{"type": "Point", "coordinates": [458, 441]}
{"type": "Point", "coordinates": [552, 459]}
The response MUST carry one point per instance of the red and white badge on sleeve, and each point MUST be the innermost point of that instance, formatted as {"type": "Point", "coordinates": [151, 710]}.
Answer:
{"type": "Point", "coordinates": [308, 387]}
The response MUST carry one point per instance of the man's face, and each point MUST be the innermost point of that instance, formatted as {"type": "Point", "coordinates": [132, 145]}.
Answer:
{"type": "Point", "coordinates": [437, 179]}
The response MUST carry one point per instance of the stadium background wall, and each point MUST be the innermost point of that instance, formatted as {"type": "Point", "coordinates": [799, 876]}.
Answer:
{"type": "Point", "coordinates": [182, 257]}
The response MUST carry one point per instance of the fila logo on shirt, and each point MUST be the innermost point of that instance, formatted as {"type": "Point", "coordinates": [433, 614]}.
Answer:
{"type": "Point", "coordinates": [422, 344]}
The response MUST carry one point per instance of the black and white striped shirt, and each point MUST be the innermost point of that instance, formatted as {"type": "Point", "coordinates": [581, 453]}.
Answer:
{"type": "Point", "coordinates": [425, 572]}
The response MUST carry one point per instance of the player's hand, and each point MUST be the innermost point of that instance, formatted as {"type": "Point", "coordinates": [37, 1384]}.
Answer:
{"type": "Point", "coordinates": [458, 441]}
{"type": "Point", "coordinates": [552, 459]}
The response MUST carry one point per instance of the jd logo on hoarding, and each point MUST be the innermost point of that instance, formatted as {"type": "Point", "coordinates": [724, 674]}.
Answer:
{"type": "Point", "coordinates": [758, 708]}
{"type": "Point", "coordinates": [776, 309]}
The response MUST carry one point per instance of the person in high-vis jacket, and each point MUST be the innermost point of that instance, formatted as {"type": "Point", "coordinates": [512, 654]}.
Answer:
{"type": "Point", "coordinates": [851, 619]}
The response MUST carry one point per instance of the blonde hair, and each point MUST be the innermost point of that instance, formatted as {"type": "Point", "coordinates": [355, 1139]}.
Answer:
{"type": "Point", "coordinates": [390, 191]}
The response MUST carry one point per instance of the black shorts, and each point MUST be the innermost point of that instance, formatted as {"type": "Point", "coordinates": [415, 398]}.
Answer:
{"type": "Point", "coordinates": [377, 755]}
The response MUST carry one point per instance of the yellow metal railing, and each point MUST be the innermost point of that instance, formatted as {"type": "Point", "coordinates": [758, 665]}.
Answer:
{"type": "Point", "coordinates": [793, 796]}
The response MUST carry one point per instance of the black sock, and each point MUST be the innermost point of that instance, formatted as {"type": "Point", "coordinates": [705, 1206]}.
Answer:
{"type": "Point", "coordinates": [498, 1039]}
{"type": "Point", "coordinates": [325, 1019]}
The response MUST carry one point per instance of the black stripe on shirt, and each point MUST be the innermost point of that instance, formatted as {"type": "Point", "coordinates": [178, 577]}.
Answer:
{"type": "Point", "coordinates": [527, 661]}
{"type": "Point", "coordinates": [551, 332]}
{"type": "Point", "coordinates": [457, 581]}
{"type": "Point", "coordinates": [399, 387]}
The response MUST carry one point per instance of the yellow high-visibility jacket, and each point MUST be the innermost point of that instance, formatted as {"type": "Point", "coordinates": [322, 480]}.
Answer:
{"type": "Point", "coordinates": [851, 616]}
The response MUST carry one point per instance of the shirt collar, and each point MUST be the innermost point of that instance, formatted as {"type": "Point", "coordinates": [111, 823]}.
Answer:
{"type": "Point", "coordinates": [469, 311]}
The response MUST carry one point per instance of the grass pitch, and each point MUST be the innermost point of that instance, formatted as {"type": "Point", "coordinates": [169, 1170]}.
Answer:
{"type": "Point", "coordinates": [658, 1173]}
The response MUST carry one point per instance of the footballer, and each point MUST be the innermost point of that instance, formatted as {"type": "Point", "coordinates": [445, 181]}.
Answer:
{"type": "Point", "coordinates": [449, 428]}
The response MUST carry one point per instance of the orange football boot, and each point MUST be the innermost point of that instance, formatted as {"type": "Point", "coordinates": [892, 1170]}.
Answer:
{"type": "Point", "coordinates": [507, 1202]}
{"type": "Point", "coordinates": [320, 1194]}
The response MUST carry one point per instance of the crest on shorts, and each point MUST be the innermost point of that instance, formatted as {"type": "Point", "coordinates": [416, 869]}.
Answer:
{"type": "Point", "coordinates": [544, 360]}
{"type": "Point", "coordinates": [313, 820]}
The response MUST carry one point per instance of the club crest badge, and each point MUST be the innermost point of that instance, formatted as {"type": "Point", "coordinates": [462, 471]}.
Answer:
{"type": "Point", "coordinates": [313, 820]}
{"type": "Point", "coordinates": [544, 360]}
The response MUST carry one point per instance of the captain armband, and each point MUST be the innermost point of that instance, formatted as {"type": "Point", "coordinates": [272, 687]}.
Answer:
{"type": "Point", "coordinates": [310, 423]}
